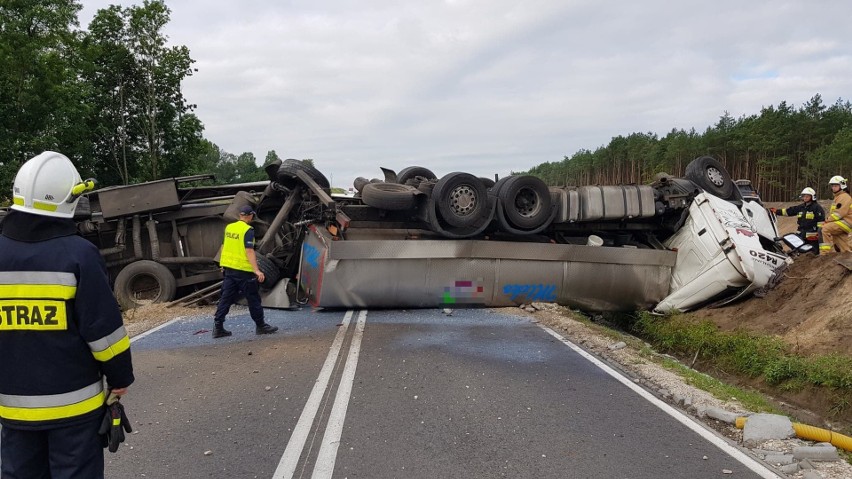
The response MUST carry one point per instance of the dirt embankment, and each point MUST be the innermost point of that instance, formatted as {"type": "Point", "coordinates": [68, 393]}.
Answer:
{"type": "Point", "coordinates": [811, 309]}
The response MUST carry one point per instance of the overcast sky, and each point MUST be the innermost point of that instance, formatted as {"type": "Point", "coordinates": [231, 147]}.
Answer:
{"type": "Point", "coordinates": [489, 86]}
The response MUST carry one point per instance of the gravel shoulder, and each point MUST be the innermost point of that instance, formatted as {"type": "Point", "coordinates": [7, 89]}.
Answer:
{"type": "Point", "coordinates": [139, 320]}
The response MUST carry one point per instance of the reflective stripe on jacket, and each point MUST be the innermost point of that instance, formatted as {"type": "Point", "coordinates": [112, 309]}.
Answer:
{"type": "Point", "coordinates": [234, 248]}
{"type": "Point", "coordinates": [841, 211]}
{"type": "Point", "coordinates": [61, 330]}
{"type": "Point", "coordinates": [809, 215]}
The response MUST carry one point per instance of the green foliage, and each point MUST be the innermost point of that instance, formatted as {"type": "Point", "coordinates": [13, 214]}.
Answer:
{"type": "Point", "coordinates": [750, 400]}
{"type": "Point", "coordinates": [40, 97]}
{"type": "Point", "coordinates": [108, 98]}
{"type": "Point", "coordinates": [230, 168]}
{"type": "Point", "coordinates": [271, 156]}
{"type": "Point", "coordinates": [781, 150]}
{"type": "Point", "coordinates": [145, 128]}
{"type": "Point", "coordinates": [747, 354]}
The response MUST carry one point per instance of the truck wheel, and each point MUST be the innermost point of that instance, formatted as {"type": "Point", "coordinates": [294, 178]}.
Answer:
{"type": "Point", "coordinates": [488, 182]}
{"type": "Point", "coordinates": [461, 199]}
{"type": "Point", "coordinates": [711, 176]}
{"type": "Point", "coordinates": [270, 270]}
{"type": "Point", "coordinates": [287, 173]}
{"type": "Point", "coordinates": [526, 202]}
{"type": "Point", "coordinates": [272, 169]}
{"type": "Point", "coordinates": [359, 183]}
{"type": "Point", "coordinates": [495, 188]}
{"type": "Point", "coordinates": [144, 282]}
{"type": "Point", "coordinates": [389, 196]}
{"type": "Point", "coordinates": [410, 172]}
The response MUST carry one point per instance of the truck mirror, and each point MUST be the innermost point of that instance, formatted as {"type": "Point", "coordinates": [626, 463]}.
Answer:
{"type": "Point", "coordinates": [795, 243]}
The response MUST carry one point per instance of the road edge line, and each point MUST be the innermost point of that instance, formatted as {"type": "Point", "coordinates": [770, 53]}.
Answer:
{"type": "Point", "coordinates": [327, 456]}
{"type": "Point", "coordinates": [290, 459]}
{"type": "Point", "coordinates": [154, 329]}
{"type": "Point", "coordinates": [734, 452]}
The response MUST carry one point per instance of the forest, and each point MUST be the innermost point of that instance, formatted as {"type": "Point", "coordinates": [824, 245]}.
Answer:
{"type": "Point", "coordinates": [109, 97]}
{"type": "Point", "coordinates": [780, 150]}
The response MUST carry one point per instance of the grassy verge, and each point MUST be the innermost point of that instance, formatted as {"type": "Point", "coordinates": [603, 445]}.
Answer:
{"type": "Point", "coordinates": [752, 401]}
{"type": "Point", "coordinates": [749, 355]}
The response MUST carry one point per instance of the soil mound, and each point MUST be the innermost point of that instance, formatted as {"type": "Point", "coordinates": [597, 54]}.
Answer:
{"type": "Point", "coordinates": [811, 309]}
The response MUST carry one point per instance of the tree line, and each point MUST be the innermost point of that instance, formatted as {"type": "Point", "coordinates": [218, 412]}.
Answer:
{"type": "Point", "coordinates": [108, 97]}
{"type": "Point", "coordinates": [780, 150]}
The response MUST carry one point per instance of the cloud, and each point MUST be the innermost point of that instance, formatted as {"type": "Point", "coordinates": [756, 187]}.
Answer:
{"type": "Point", "coordinates": [490, 86]}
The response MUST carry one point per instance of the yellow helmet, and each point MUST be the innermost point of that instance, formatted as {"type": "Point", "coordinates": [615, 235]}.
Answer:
{"type": "Point", "coordinates": [49, 185]}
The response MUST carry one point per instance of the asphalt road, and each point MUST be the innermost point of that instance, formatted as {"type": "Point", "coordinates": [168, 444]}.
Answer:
{"type": "Point", "coordinates": [398, 394]}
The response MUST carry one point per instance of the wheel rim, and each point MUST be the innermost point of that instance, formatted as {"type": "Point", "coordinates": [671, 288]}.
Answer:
{"type": "Point", "coordinates": [715, 176]}
{"type": "Point", "coordinates": [463, 200]}
{"type": "Point", "coordinates": [144, 289]}
{"type": "Point", "coordinates": [527, 203]}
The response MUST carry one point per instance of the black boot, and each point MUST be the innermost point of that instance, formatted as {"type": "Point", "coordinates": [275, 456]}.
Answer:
{"type": "Point", "coordinates": [219, 330]}
{"type": "Point", "coordinates": [265, 328]}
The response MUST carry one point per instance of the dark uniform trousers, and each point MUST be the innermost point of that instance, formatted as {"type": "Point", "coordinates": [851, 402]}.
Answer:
{"type": "Point", "coordinates": [71, 452]}
{"type": "Point", "coordinates": [235, 284]}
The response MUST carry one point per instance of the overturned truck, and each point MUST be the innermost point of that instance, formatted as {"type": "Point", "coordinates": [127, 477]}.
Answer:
{"type": "Point", "coordinates": [413, 240]}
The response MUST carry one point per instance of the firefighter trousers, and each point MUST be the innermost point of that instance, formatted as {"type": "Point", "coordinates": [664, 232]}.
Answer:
{"type": "Point", "coordinates": [68, 452]}
{"type": "Point", "coordinates": [836, 234]}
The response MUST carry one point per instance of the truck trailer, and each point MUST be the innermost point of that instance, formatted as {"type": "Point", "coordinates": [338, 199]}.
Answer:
{"type": "Point", "coordinates": [413, 240]}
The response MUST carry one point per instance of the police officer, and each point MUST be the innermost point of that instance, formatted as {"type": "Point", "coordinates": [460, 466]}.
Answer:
{"type": "Point", "coordinates": [810, 217]}
{"type": "Point", "coordinates": [241, 275]}
{"type": "Point", "coordinates": [837, 229]}
{"type": "Point", "coordinates": [61, 331]}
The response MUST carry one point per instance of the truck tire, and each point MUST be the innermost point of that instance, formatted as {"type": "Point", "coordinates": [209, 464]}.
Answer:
{"type": "Point", "coordinates": [412, 171]}
{"type": "Point", "coordinates": [461, 199]}
{"type": "Point", "coordinates": [488, 182]}
{"type": "Point", "coordinates": [270, 270]}
{"type": "Point", "coordinates": [389, 196]}
{"type": "Point", "coordinates": [708, 173]}
{"type": "Point", "coordinates": [144, 282]}
{"type": "Point", "coordinates": [272, 169]}
{"type": "Point", "coordinates": [287, 173]}
{"type": "Point", "coordinates": [526, 202]}
{"type": "Point", "coordinates": [359, 183]}
{"type": "Point", "coordinates": [495, 188]}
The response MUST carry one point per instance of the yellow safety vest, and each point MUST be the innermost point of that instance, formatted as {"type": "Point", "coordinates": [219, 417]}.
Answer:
{"type": "Point", "coordinates": [234, 249]}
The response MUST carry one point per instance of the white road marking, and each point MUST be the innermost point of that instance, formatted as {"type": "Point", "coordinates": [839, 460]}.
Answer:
{"type": "Point", "coordinates": [331, 439]}
{"type": "Point", "coordinates": [290, 459]}
{"type": "Point", "coordinates": [154, 330]}
{"type": "Point", "coordinates": [740, 456]}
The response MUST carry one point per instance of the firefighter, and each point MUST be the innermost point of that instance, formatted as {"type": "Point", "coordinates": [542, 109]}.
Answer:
{"type": "Point", "coordinates": [810, 217]}
{"type": "Point", "coordinates": [61, 331]}
{"type": "Point", "coordinates": [239, 265]}
{"type": "Point", "coordinates": [837, 229]}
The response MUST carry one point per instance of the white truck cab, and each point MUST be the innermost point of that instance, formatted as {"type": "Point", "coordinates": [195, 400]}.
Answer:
{"type": "Point", "coordinates": [720, 257]}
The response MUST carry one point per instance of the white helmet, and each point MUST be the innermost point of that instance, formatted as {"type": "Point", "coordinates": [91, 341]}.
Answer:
{"type": "Point", "coordinates": [838, 180]}
{"type": "Point", "coordinates": [49, 185]}
{"type": "Point", "coordinates": [808, 191]}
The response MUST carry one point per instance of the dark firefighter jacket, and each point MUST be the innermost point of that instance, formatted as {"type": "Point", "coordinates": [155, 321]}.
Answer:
{"type": "Point", "coordinates": [809, 215]}
{"type": "Point", "coordinates": [60, 327]}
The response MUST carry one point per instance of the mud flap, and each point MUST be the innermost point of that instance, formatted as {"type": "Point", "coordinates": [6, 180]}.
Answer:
{"type": "Point", "coordinates": [277, 297]}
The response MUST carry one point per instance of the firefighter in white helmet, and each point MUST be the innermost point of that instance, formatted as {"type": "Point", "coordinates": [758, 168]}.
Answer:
{"type": "Point", "coordinates": [61, 331]}
{"type": "Point", "coordinates": [810, 217]}
{"type": "Point", "coordinates": [837, 229]}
